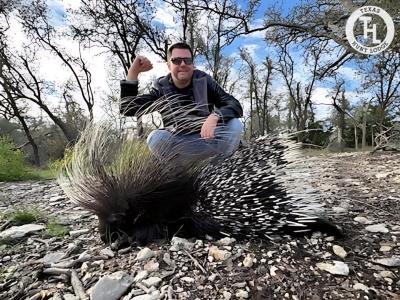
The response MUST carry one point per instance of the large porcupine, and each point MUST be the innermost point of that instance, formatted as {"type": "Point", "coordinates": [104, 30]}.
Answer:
{"type": "Point", "coordinates": [136, 195]}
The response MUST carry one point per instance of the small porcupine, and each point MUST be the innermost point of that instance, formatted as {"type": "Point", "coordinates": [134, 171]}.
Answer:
{"type": "Point", "coordinates": [139, 196]}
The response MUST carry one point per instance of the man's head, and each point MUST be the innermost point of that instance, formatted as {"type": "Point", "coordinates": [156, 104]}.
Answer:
{"type": "Point", "coordinates": [180, 64]}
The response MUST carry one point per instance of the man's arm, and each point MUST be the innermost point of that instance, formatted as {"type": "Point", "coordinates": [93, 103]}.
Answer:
{"type": "Point", "coordinates": [228, 107]}
{"type": "Point", "coordinates": [131, 103]}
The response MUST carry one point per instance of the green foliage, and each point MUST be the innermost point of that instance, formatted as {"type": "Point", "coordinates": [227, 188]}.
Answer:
{"type": "Point", "coordinates": [317, 135]}
{"type": "Point", "coordinates": [12, 165]}
{"type": "Point", "coordinates": [43, 174]}
{"type": "Point", "coordinates": [33, 215]}
{"type": "Point", "coordinates": [26, 216]}
{"type": "Point", "coordinates": [56, 166]}
{"type": "Point", "coordinates": [131, 153]}
{"type": "Point", "coordinates": [54, 229]}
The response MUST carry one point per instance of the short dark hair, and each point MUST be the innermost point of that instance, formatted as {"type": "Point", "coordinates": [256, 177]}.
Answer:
{"type": "Point", "coordinates": [179, 45]}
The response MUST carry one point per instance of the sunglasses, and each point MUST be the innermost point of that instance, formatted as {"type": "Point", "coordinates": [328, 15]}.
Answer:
{"type": "Point", "coordinates": [178, 60]}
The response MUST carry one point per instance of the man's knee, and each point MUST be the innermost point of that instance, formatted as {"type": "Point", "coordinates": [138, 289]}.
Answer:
{"type": "Point", "coordinates": [229, 136]}
{"type": "Point", "coordinates": [157, 139]}
{"type": "Point", "coordinates": [231, 129]}
{"type": "Point", "coordinates": [234, 126]}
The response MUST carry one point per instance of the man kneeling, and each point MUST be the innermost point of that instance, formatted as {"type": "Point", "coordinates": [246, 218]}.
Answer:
{"type": "Point", "coordinates": [185, 89]}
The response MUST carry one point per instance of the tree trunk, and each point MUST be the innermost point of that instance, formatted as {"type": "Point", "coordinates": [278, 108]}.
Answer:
{"type": "Point", "coordinates": [364, 129]}
{"type": "Point", "coordinates": [251, 108]}
{"type": "Point", "coordinates": [355, 137]}
{"type": "Point", "coordinates": [69, 133]}
{"type": "Point", "coordinates": [372, 137]}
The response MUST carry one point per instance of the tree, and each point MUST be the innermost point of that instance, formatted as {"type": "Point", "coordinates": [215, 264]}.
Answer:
{"type": "Point", "coordinates": [316, 22]}
{"type": "Point", "coordinates": [21, 81]}
{"type": "Point", "coordinates": [34, 17]}
{"type": "Point", "coordinates": [259, 90]}
{"type": "Point", "coordinates": [10, 110]}
{"type": "Point", "coordinates": [300, 90]}
{"type": "Point", "coordinates": [121, 28]}
{"type": "Point", "coordinates": [383, 81]}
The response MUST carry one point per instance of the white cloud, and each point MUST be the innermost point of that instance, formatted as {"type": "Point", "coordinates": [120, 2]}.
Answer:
{"type": "Point", "coordinates": [15, 33]}
{"type": "Point", "coordinates": [252, 48]}
{"type": "Point", "coordinates": [349, 73]}
{"type": "Point", "coordinates": [74, 4]}
{"type": "Point", "coordinates": [165, 15]}
{"type": "Point", "coordinates": [322, 95]}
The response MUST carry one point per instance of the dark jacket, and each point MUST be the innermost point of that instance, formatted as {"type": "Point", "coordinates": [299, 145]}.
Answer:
{"type": "Point", "coordinates": [204, 92]}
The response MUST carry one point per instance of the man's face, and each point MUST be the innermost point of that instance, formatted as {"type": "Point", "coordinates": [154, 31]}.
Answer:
{"type": "Point", "coordinates": [182, 73]}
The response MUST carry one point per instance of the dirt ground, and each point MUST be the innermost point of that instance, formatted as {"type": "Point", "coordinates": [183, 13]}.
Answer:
{"type": "Point", "coordinates": [359, 190]}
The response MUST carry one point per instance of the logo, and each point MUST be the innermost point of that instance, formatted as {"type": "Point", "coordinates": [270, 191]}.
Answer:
{"type": "Point", "coordinates": [369, 30]}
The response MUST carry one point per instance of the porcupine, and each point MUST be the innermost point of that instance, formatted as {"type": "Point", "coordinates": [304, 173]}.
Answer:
{"type": "Point", "coordinates": [144, 198]}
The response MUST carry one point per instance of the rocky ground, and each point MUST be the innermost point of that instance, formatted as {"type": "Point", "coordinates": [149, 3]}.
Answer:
{"type": "Point", "coordinates": [362, 192]}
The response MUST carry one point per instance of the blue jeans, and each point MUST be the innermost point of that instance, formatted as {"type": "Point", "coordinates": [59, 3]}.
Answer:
{"type": "Point", "coordinates": [185, 149]}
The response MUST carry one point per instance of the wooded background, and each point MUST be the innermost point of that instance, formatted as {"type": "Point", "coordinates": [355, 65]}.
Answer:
{"type": "Point", "coordinates": [43, 117]}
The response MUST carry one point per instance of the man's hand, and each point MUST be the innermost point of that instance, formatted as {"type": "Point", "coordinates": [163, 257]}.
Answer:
{"type": "Point", "coordinates": [139, 65]}
{"type": "Point", "coordinates": [207, 130]}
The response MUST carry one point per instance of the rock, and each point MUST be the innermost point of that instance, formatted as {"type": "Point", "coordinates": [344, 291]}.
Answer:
{"type": "Point", "coordinates": [155, 295]}
{"type": "Point", "coordinates": [242, 294]}
{"type": "Point", "coordinates": [382, 175]}
{"type": "Point", "coordinates": [339, 251]}
{"type": "Point", "coordinates": [75, 233]}
{"type": "Point", "coordinates": [385, 248]}
{"type": "Point", "coordinates": [217, 254]}
{"type": "Point", "coordinates": [226, 241]}
{"type": "Point", "coordinates": [140, 276]}
{"type": "Point", "coordinates": [360, 286]}
{"type": "Point", "coordinates": [112, 286]}
{"type": "Point", "coordinates": [167, 259]}
{"type": "Point", "coordinates": [152, 281]}
{"type": "Point", "coordinates": [239, 284]}
{"type": "Point", "coordinates": [248, 261]}
{"type": "Point", "coordinates": [362, 220]}
{"type": "Point", "coordinates": [70, 297]}
{"type": "Point", "coordinates": [212, 277]}
{"type": "Point", "coordinates": [178, 243]}
{"type": "Point", "coordinates": [363, 287]}
{"type": "Point", "coordinates": [84, 267]}
{"type": "Point", "coordinates": [377, 228]}
{"type": "Point", "coordinates": [393, 261]}
{"type": "Point", "coordinates": [385, 274]}
{"type": "Point", "coordinates": [145, 254]}
{"type": "Point", "coordinates": [151, 266]}
{"type": "Point", "coordinates": [187, 279]}
{"type": "Point", "coordinates": [84, 256]}
{"type": "Point", "coordinates": [337, 268]}
{"type": "Point", "coordinates": [56, 198]}
{"type": "Point", "coordinates": [227, 295]}
{"type": "Point", "coordinates": [107, 252]}
{"type": "Point", "coordinates": [16, 232]}
{"type": "Point", "coordinates": [339, 210]}
{"type": "Point", "coordinates": [272, 271]}
{"type": "Point", "coordinates": [326, 255]}
{"type": "Point", "coordinates": [52, 258]}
